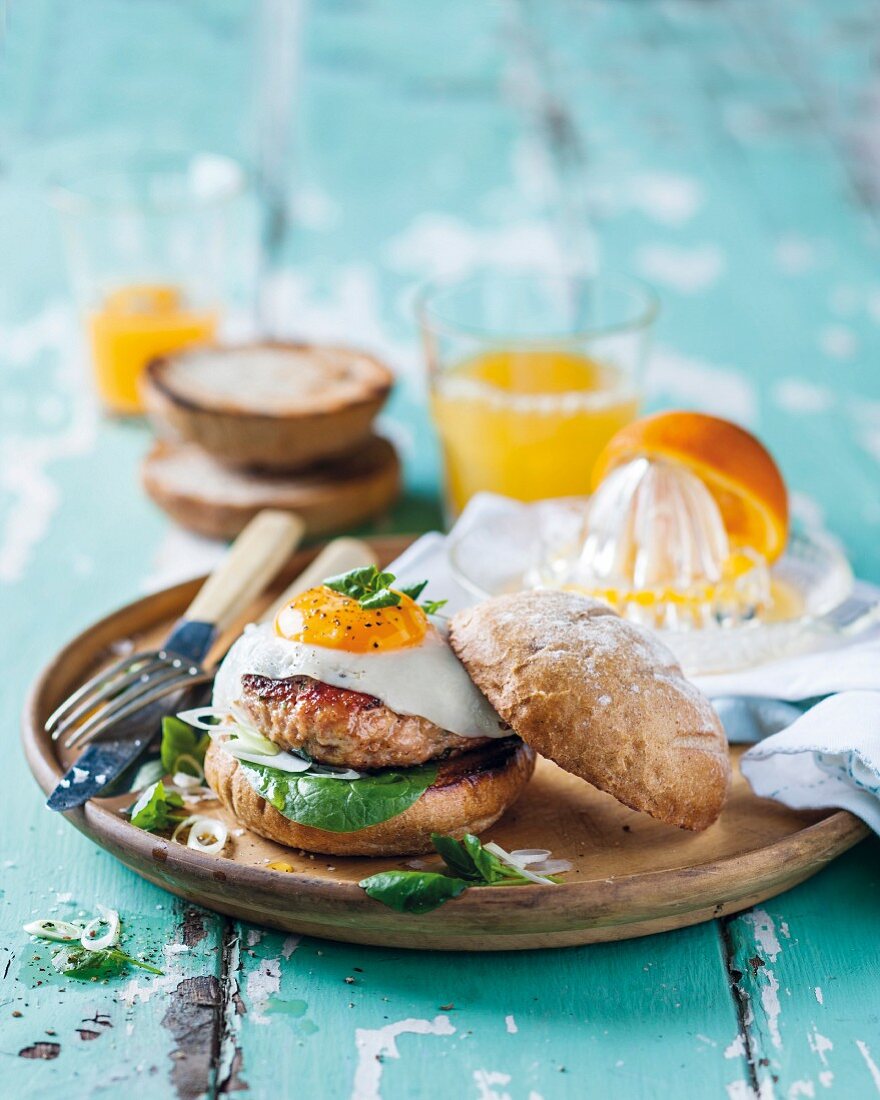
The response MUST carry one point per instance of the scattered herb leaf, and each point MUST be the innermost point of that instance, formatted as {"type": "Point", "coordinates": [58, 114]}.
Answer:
{"type": "Point", "coordinates": [77, 962]}
{"type": "Point", "coordinates": [157, 808]}
{"type": "Point", "coordinates": [455, 856]}
{"type": "Point", "coordinates": [180, 739]}
{"type": "Point", "coordinates": [468, 863]}
{"type": "Point", "coordinates": [80, 960]}
{"type": "Point", "coordinates": [372, 589]}
{"type": "Point", "coordinates": [413, 891]}
{"type": "Point", "coordinates": [413, 590]}
{"type": "Point", "coordinates": [147, 774]}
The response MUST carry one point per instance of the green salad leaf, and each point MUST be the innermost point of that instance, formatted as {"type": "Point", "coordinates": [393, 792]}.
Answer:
{"type": "Point", "coordinates": [78, 953]}
{"type": "Point", "coordinates": [182, 744]}
{"type": "Point", "coordinates": [372, 589]}
{"type": "Point", "coordinates": [76, 962]}
{"type": "Point", "coordinates": [339, 805]}
{"type": "Point", "coordinates": [413, 891]}
{"type": "Point", "coordinates": [157, 808]}
{"type": "Point", "coordinates": [455, 856]}
{"type": "Point", "coordinates": [469, 859]}
{"type": "Point", "coordinates": [468, 863]}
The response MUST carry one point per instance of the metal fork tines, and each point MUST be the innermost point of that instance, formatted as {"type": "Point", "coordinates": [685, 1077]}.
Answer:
{"type": "Point", "coordinates": [119, 691]}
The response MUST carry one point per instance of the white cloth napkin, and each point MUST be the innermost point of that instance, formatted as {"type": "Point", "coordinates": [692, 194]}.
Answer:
{"type": "Point", "coordinates": [827, 756]}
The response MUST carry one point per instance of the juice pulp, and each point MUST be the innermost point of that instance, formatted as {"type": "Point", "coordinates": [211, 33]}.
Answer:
{"type": "Point", "coordinates": [135, 324]}
{"type": "Point", "coordinates": [527, 423]}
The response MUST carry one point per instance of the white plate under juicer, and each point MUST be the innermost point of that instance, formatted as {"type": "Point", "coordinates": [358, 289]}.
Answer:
{"type": "Point", "coordinates": [651, 542]}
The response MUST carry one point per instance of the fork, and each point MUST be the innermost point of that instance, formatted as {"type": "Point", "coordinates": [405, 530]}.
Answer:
{"type": "Point", "coordinates": [134, 682]}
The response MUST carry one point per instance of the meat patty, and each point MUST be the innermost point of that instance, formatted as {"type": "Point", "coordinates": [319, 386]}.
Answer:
{"type": "Point", "coordinates": [337, 726]}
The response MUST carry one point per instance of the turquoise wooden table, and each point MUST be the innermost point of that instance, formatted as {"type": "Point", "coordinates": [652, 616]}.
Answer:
{"type": "Point", "coordinates": [728, 153]}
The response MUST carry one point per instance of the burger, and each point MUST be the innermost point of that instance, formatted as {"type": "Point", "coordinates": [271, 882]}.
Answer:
{"type": "Point", "coordinates": [360, 723]}
{"type": "Point", "coordinates": [348, 726]}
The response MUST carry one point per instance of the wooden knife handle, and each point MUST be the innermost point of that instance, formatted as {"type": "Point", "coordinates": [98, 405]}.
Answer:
{"type": "Point", "coordinates": [252, 561]}
{"type": "Point", "coordinates": [338, 556]}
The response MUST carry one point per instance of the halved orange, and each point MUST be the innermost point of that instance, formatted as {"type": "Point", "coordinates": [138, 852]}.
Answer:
{"type": "Point", "coordinates": [735, 467]}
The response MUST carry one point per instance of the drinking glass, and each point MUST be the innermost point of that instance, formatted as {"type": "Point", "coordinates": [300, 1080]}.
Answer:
{"type": "Point", "coordinates": [530, 375]}
{"type": "Point", "coordinates": [158, 248]}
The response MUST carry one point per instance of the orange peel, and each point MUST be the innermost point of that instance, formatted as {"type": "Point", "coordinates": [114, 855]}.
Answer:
{"type": "Point", "coordinates": [737, 469]}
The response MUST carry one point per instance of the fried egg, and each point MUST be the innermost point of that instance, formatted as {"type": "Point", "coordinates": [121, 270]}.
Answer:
{"type": "Point", "coordinates": [396, 654]}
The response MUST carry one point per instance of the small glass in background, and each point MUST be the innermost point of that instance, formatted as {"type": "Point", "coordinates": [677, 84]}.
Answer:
{"type": "Point", "coordinates": [152, 246]}
{"type": "Point", "coordinates": [530, 375]}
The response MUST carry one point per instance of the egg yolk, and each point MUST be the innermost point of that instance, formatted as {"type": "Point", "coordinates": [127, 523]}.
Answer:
{"type": "Point", "coordinates": [326, 618]}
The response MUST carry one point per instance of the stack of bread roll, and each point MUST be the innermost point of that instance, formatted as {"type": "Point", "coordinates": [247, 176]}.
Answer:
{"type": "Point", "coordinates": [269, 425]}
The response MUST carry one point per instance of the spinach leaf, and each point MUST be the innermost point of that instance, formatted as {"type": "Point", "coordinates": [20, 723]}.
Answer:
{"type": "Point", "coordinates": [76, 962]}
{"type": "Point", "coordinates": [180, 739]}
{"type": "Point", "coordinates": [157, 808]}
{"type": "Point", "coordinates": [413, 891]}
{"type": "Point", "coordinates": [372, 589]}
{"type": "Point", "coordinates": [339, 805]}
{"type": "Point", "coordinates": [469, 859]}
{"type": "Point", "coordinates": [489, 867]}
{"type": "Point", "coordinates": [413, 590]}
{"type": "Point", "coordinates": [421, 891]}
{"type": "Point", "coordinates": [455, 856]}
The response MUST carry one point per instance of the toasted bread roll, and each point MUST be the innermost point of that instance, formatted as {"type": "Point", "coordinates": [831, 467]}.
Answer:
{"type": "Point", "coordinates": [218, 501]}
{"type": "Point", "coordinates": [469, 795]}
{"type": "Point", "coordinates": [602, 698]}
{"type": "Point", "coordinates": [268, 406]}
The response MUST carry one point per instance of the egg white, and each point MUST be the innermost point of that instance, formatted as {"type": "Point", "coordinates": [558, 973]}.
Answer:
{"type": "Point", "coordinates": [425, 680]}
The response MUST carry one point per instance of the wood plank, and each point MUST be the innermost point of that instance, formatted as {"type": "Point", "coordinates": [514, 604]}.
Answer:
{"type": "Point", "coordinates": [805, 967]}
{"type": "Point", "coordinates": [369, 1022]}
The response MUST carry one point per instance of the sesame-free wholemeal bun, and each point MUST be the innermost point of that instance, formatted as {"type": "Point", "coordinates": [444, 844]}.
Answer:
{"type": "Point", "coordinates": [470, 793]}
{"type": "Point", "coordinates": [601, 697]}
{"type": "Point", "coordinates": [268, 406]}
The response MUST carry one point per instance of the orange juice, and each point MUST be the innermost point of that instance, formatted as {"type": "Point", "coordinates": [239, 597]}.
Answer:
{"type": "Point", "coordinates": [528, 422]}
{"type": "Point", "coordinates": [135, 324]}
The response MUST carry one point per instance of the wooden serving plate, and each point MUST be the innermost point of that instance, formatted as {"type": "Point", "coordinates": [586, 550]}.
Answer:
{"type": "Point", "coordinates": [632, 876]}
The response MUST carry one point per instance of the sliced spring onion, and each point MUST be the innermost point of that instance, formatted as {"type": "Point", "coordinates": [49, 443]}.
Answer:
{"type": "Point", "coordinates": [144, 797]}
{"type": "Point", "coordinates": [188, 779]}
{"type": "Point", "coordinates": [206, 834]}
{"type": "Point", "coordinates": [209, 719]}
{"type": "Point", "coordinates": [61, 958]}
{"type": "Point", "coordinates": [194, 795]}
{"type": "Point", "coordinates": [328, 771]}
{"type": "Point", "coordinates": [551, 866]}
{"type": "Point", "coordinates": [287, 762]}
{"type": "Point", "coordinates": [59, 931]}
{"type": "Point", "coordinates": [93, 939]}
{"type": "Point", "coordinates": [523, 857]}
{"type": "Point", "coordinates": [505, 857]}
{"type": "Point", "coordinates": [252, 741]}
{"type": "Point", "coordinates": [148, 774]}
{"type": "Point", "coordinates": [183, 781]}
{"type": "Point", "coordinates": [282, 761]}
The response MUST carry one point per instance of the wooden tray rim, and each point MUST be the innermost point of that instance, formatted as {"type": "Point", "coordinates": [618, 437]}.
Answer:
{"type": "Point", "coordinates": [669, 887]}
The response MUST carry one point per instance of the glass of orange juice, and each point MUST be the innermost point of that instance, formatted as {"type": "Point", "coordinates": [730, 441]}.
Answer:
{"type": "Point", "coordinates": [152, 245]}
{"type": "Point", "coordinates": [530, 375]}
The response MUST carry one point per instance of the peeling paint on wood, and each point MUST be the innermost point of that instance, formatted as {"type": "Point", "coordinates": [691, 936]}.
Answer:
{"type": "Point", "coordinates": [192, 1018]}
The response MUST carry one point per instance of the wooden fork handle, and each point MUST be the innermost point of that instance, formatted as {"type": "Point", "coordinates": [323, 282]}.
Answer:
{"type": "Point", "coordinates": [252, 561]}
{"type": "Point", "coordinates": [338, 556]}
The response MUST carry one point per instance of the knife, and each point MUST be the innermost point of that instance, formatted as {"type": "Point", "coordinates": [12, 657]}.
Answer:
{"type": "Point", "coordinates": [253, 560]}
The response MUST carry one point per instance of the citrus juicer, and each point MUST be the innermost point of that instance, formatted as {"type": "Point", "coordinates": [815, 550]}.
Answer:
{"type": "Point", "coordinates": [655, 547]}
{"type": "Point", "coordinates": [650, 542]}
